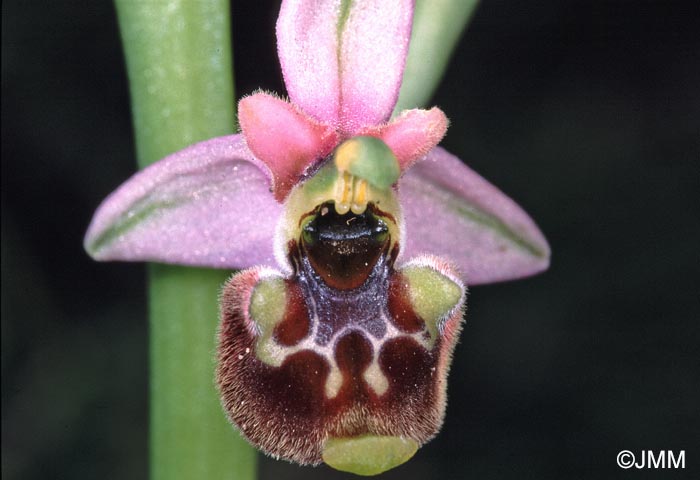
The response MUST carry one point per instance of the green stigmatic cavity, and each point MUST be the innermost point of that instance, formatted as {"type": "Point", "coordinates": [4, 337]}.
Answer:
{"type": "Point", "coordinates": [370, 159]}
{"type": "Point", "coordinates": [368, 455]}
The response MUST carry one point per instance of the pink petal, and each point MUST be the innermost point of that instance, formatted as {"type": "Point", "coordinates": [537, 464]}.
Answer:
{"type": "Point", "coordinates": [412, 134]}
{"type": "Point", "coordinates": [344, 67]}
{"type": "Point", "coordinates": [451, 211]}
{"type": "Point", "coordinates": [207, 205]}
{"type": "Point", "coordinates": [284, 138]}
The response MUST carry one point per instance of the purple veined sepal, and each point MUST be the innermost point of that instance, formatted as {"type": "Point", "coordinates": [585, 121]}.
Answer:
{"type": "Point", "coordinates": [453, 212]}
{"type": "Point", "coordinates": [208, 205]}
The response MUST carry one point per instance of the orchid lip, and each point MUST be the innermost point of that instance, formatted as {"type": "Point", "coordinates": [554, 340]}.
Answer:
{"type": "Point", "coordinates": [377, 346]}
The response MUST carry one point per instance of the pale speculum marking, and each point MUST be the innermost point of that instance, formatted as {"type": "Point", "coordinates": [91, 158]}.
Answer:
{"type": "Point", "coordinates": [374, 325]}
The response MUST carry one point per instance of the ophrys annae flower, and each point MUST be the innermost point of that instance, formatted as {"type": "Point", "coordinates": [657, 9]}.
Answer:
{"type": "Point", "coordinates": [341, 355]}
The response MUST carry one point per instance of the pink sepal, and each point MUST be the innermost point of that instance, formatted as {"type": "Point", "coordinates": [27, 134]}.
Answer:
{"type": "Point", "coordinates": [344, 68]}
{"type": "Point", "coordinates": [451, 211]}
{"type": "Point", "coordinates": [208, 205]}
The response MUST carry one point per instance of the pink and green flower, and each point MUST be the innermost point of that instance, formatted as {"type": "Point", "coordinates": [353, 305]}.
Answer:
{"type": "Point", "coordinates": [340, 353]}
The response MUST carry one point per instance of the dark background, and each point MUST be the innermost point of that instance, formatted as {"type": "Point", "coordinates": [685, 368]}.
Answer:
{"type": "Point", "coordinates": [587, 113]}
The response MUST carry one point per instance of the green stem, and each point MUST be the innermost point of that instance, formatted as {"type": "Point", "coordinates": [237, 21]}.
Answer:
{"type": "Point", "coordinates": [179, 63]}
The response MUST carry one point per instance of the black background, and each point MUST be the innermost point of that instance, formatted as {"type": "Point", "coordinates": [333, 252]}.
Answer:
{"type": "Point", "coordinates": [587, 113]}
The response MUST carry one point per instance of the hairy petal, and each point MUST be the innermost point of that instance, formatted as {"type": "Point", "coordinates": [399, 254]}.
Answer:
{"type": "Point", "coordinates": [343, 60]}
{"type": "Point", "coordinates": [451, 211]}
{"type": "Point", "coordinates": [412, 134]}
{"type": "Point", "coordinates": [284, 138]}
{"type": "Point", "coordinates": [207, 205]}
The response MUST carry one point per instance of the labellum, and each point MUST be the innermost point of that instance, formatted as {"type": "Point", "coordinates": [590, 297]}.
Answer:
{"type": "Point", "coordinates": [345, 359]}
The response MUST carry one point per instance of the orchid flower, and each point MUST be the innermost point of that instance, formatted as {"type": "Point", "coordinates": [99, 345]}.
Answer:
{"type": "Point", "coordinates": [341, 353]}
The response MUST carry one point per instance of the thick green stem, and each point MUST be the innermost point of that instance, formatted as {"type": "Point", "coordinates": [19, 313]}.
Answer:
{"type": "Point", "coordinates": [179, 63]}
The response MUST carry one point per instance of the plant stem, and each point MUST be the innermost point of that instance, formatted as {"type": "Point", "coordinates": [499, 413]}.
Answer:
{"type": "Point", "coordinates": [179, 62]}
